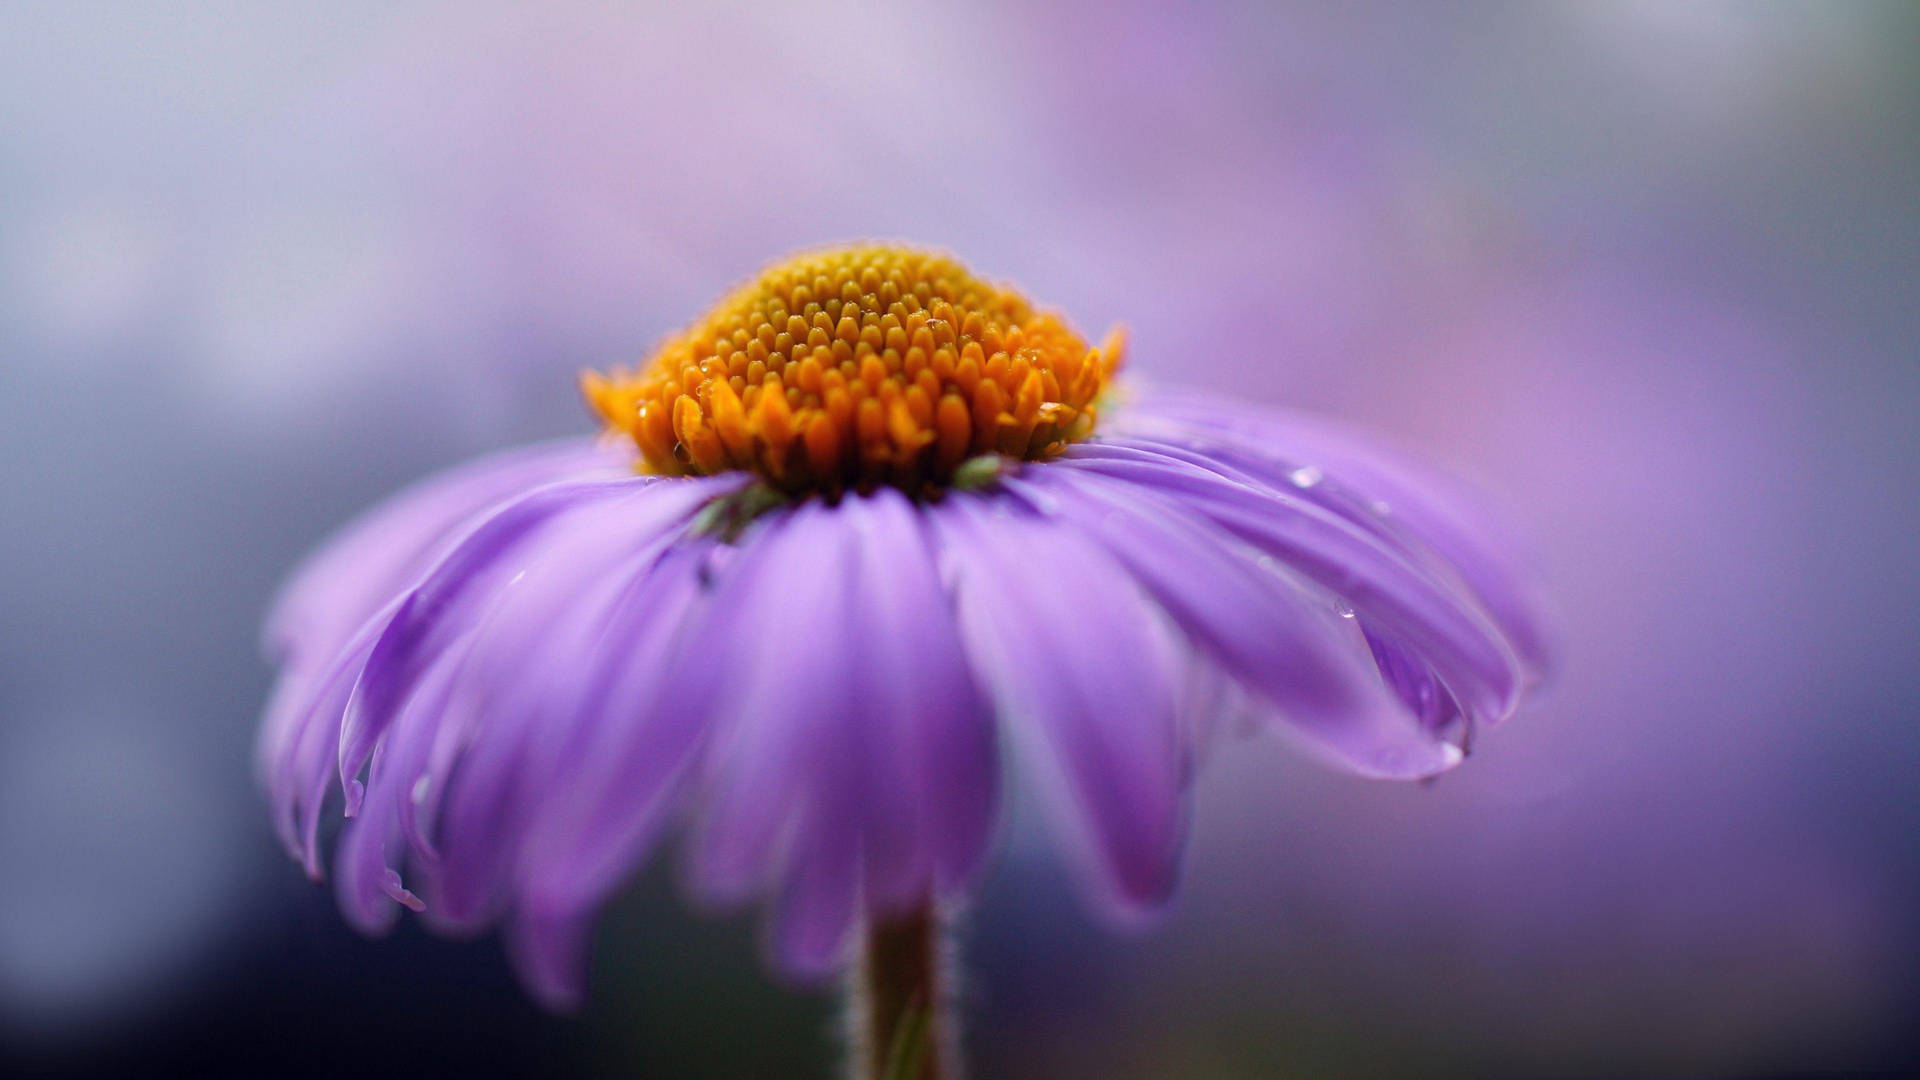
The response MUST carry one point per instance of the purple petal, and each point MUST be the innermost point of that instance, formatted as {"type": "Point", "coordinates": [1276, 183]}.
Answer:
{"type": "Point", "coordinates": [1253, 623]}
{"type": "Point", "coordinates": [591, 813]}
{"type": "Point", "coordinates": [559, 797]}
{"type": "Point", "coordinates": [492, 701]}
{"type": "Point", "coordinates": [787, 798]}
{"type": "Point", "coordinates": [1348, 469]}
{"type": "Point", "coordinates": [1087, 677]}
{"type": "Point", "coordinates": [447, 675]}
{"type": "Point", "coordinates": [550, 956]}
{"type": "Point", "coordinates": [853, 761]}
{"type": "Point", "coordinates": [319, 625]}
{"type": "Point", "coordinates": [447, 604]}
{"type": "Point", "coordinates": [1424, 695]}
{"type": "Point", "coordinates": [777, 619]}
{"type": "Point", "coordinates": [372, 847]}
{"type": "Point", "coordinates": [384, 551]}
{"type": "Point", "coordinates": [820, 898]}
{"type": "Point", "coordinates": [522, 702]}
{"type": "Point", "coordinates": [302, 775]}
{"type": "Point", "coordinates": [1377, 580]}
{"type": "Point", "coordinates": [924, 720]}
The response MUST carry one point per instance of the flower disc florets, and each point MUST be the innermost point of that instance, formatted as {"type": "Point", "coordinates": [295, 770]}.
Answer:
{"type": "Point", "coordinates": [855, 367]}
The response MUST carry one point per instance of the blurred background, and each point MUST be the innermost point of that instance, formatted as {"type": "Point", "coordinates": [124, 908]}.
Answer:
{"type": "Point", "coordinates": [1647, 270]}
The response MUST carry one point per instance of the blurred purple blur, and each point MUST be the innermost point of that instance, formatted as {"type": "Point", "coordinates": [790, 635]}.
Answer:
{"type": "Point", "coordinates": [1647, 271]}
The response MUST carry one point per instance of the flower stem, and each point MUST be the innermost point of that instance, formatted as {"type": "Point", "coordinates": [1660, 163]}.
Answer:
{"type": "Point", "coordinates": [898, 1002]}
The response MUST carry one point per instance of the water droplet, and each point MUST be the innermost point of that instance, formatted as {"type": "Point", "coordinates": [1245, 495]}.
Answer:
{"type": "Point", "coordinates": [420, 788]}
{"type": "Point", "coordinates": [1342, 608]}
{"type": "Point", "coordinates": [1043, 502]}
{"type": "Point", "coordinates": [1379, 506]}
{"type": "Point", "coordinates": [1305, 476]}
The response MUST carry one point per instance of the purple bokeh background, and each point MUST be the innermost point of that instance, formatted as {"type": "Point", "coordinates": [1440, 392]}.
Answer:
{"type": "Point", "coordinates": [1647, 271]}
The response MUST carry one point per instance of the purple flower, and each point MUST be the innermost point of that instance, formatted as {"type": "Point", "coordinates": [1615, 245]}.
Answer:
{"type": "Point", "coordinates": [815, 649]}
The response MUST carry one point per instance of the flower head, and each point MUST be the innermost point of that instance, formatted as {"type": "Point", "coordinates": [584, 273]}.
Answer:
{"type": "Point", "coordinates": [859, 365]}
{"type": "Point", "coordinates": [523, 673]}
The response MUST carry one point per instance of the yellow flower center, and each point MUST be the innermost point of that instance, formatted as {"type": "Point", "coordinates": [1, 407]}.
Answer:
{"type": "Point", "coordinates": [857, 366]}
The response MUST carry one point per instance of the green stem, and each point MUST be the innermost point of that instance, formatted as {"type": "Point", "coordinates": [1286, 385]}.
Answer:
{"type": "Point", "coordinates": [898, 1002]}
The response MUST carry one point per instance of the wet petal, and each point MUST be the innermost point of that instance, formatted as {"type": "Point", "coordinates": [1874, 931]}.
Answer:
{"type": "Point", "coordinates": [447, 604]}
{"type": "Point", "coordinates": [630, 743]}
{"type": "Point", "coordinates": [530, 703]}
{"type": "Point", "coordinates": [1354, 472]}
{"type": "Point", "coordinates": [1376, 579]}
{"type": "Point", "coordinates": [1253, 623]}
